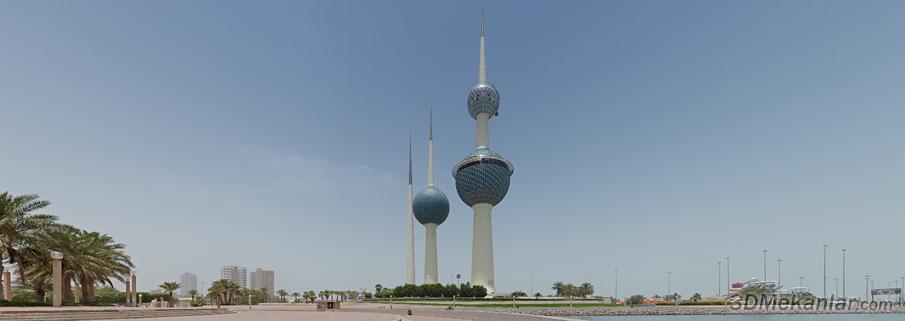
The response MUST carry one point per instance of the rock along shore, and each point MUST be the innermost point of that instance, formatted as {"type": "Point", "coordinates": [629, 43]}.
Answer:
{"type": "Point", "coordinates": [686, 310]}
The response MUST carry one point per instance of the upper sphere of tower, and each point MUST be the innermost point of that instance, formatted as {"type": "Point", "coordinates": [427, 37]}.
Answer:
{"type": "Point", "coordinates": [483, 98]}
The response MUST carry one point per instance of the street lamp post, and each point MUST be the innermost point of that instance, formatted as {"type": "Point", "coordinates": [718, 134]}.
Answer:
{"type": "Point", "coordinates": [836, 292]}
{"type": "Point", "coordinates": [765, 266]}
{"type": "Point", "coordinates": [57, 278]}
{"type": "Point", "coordinates": [249, 302]}
{"type": "Point", "coordinates": [616, 284]}
{"type": "Point", "coordinates": [719, 278]}
{"type": "Point", "coordinates": [824, 270]}
{"type": "Point", "coordinates": [728, 279]}
{"type": "Point", "coordinates": [668, 284]}
{"type": "Point", "coordinates": [867, 287]}
{"type": "Point", "coordinates": [779, 279]}
{"type": "Point", "coordinates": [801, 282]}
{"type": "Point", "coordinates": [843, 273]}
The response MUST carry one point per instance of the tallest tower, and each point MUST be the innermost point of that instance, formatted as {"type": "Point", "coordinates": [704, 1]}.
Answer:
{"type": "Point", "coordinates": [482, 178]}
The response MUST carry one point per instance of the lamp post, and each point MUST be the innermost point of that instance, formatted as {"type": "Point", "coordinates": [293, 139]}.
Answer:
{"type": "Point", "coordinates": [616, 283]}
{"type": "Point", "coordinates": [57, 278]}
{"type": "Point", "coordinates": [836, 292]}
{"type": "Point", "coordinates": [728, 279]}
{"type": "Point", "coordinates": [779, 280]}
{"type": "Point", "coordinates": [249, 302]}
{"type": "Point", "coordinates": [139, 299]}
{"type": "Point", "coordinates": [719, 278]}
{"type": "Point", "coordinates": [801, 282]}
{"type": "Point", "coordinates": [867, 287]}
{"type": "Point", "coordinates": [843, 273]}
{"type": "Point", "coordinates": [765, 267]}
{"type": "Point", "coordinates": [824, 270]}
{"type": "Point", "coordinates": [668, 284]}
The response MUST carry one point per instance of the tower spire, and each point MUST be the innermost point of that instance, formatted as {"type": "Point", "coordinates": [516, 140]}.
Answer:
{"type": "Point", "coordinates": [410, 158]}
{"type": "Point", "coordinates": [482, 69]}
{"type": "Point", "coordinates": [430, 149]}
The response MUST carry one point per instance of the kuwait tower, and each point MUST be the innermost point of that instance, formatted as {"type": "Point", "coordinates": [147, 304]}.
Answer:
{"type": "Point", "coordinates": [410, 246]}
{"type": "Point", "coordinates": [431, 209]}
{"type": "Point", "coordinates": [482, 178]}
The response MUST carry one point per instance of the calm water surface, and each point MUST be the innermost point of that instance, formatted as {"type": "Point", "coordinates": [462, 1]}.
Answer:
{"type": "Point", "coordinates": [775, 317]}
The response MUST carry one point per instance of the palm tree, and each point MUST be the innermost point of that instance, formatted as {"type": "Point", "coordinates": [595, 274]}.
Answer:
{"type": "Point", "coordinates": [559, 287]}
{"type": "Point", "coordinates": [22, 231]}
{"type": "Point", "coordinates": [282, 293]}
{"type": "Point", "coordinates": [224, 290]}
{"type": "Point", "coordinates": [193, 293]}
{"type": "Point", "coordinates": [585, 289]}
{"type": "Point", "coordinates": [88, 258]}
{"type": "Point", "coordinates": [170, 287]}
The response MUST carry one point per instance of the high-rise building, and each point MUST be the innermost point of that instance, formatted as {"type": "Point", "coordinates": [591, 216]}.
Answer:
{"type": "Point", "coordinates": [189, 282]}
{"type": "Point", "coordinates": [261, 278]}
{"type": "Point", "coordinates": [236, 274]}
{"type": "Point", "coordinates": [431, 208]}
{"type": "Point", "coordinates": [482, 178]}
{"type": "Point", "coordinates": [410, 228]}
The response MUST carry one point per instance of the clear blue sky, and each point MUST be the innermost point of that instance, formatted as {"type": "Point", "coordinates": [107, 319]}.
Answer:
{"type": "Point", "coordinates": [646, 135]}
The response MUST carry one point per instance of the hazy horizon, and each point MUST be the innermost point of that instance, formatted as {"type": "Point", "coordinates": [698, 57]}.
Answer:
{"type": "Point", "coordinates": [650, 136]}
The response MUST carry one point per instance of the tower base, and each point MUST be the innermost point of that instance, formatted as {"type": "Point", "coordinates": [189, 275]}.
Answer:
{"type": "Point", "coordinates": [482, 248]}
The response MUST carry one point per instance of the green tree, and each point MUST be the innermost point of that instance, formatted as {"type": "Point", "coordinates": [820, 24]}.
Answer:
{"type": "Point", "coordinates": [519, 294]}
{"type": "Point", "coordinates": [295, 297]}
{"type": "Point", "coordinates": [585, 289]}
{"type": "Point", "coordinates": [169, 287]}
{"type": "Point", "coordinates": [559, 288]}
{"type": "Point", "coordinates": [282, 293]}
{"type": "Point", "coordinates": [223, 291]}
{"type": "Point", "coordinates": [22, 231]}
{"type": "Point", "coordinates": [193, 293]}
{"type": "Point", "coordinates": [696, 297]}
{"type": "Point", "coordinates": [635, 299]}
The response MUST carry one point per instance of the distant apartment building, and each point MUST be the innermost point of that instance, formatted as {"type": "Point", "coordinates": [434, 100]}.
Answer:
{"type": "Point", "coordinates": [261, 278]}
{"type": "Point", "coordinates": [236, 274]}
{"type": "Point", "coordinates": [189, 282]}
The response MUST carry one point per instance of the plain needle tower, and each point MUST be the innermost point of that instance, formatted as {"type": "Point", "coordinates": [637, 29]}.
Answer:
{"type": "Point", "coordinates": [482, 178]}
{"type": "Point", "coordinates": [410, 246]}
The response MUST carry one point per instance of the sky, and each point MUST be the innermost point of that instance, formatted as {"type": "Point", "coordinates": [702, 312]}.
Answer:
{"type": "Point", "coordinates": [648, 136]}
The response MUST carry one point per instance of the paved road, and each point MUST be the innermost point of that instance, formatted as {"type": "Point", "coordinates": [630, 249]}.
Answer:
{"type": "Point", "coordinates": [299, 316]}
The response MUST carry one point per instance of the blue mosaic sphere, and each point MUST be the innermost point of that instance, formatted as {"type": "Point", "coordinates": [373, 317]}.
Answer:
{"type": "Point", "coordinates": [482, 177]}
{"type": "Point", "coordinates": [430, 206]}
{"type": "Point", "coordinates": [483, 98]}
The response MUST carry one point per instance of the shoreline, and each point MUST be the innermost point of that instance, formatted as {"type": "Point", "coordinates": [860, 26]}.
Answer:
{"type": "Point", "coordinates": [683, 310]}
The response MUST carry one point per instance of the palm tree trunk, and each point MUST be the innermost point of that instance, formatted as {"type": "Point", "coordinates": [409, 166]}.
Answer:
{"type": "Point", "coordinates": [67, 287]}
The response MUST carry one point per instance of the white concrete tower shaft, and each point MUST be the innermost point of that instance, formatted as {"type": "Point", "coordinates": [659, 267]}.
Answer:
{"type": "Point", "coordinates": [410, 246]}
{"type": "Point", "coordinates": [482, 238]}
{"type": "Point", "coordinates": [431, 274]}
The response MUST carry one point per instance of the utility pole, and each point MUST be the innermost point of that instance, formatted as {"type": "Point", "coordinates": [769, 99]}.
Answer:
{"type": "Point", "coordinates": [616, 284]}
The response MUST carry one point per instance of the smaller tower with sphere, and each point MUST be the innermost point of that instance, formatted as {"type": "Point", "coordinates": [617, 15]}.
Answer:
{"type": "Point", "coordinates": [431, 208]}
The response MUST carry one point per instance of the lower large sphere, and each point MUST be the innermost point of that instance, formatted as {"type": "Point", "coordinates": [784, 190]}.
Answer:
{"type": "Point", "coordinates": [482, 183]}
